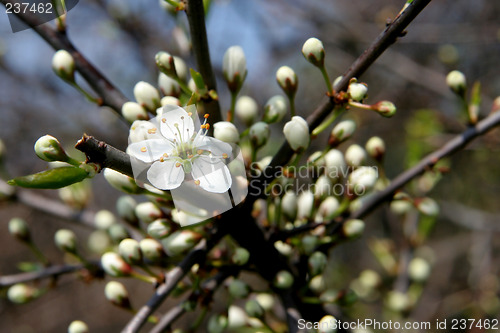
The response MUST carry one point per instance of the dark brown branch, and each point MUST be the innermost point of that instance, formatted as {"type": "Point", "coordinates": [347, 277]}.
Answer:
{"type": "Point", "coordinates": [52, 271]}
{"type": "Point", "coordinates": [196, 17]}
{"type": "Point", "coordinates": [109, 94]}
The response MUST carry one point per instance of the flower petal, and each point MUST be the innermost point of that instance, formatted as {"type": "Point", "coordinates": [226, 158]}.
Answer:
{"type": "Point", "coordinates": [215, 146]}
{"type": "Point", "coordinates": [149, 150]}
{"type": "Point", "coordinates": [212, 174]}
{"type": "Point", "coordinates": [166, 175]}
{"type": "Point", "coordinates": [171, 116]}
{"type": "Point", "coordinates": [144, 130]}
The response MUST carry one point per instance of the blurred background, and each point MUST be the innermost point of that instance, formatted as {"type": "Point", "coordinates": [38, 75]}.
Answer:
{"type": "Point", "coordinates": [121, 37]}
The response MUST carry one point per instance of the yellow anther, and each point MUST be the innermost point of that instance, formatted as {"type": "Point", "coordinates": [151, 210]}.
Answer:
{"type": "Point", "coordinates": [177, 164]}
{"type": "Point", "coordinates": [143, 149]}
{"type": "Point", "coordinates": [165, 155]}
{"type": "Point", "coordinates": [199, 151]}
{"type": "Point", "coordinates": [197, 182]}
{"type": "Point", "coordinates": [207, 126]}
{"type": "Point", "coordinates": [190, 156]}
{"type": "Point", "coordinates": [162, 159]}
{"type": "Point", "coordinates": [190, 114]}
{"type": "Point", "coordinates": [164, 120]}
{"type": "Point", "coordinates": [206, 115]}
{"type": "Point", "coordinates": [152, 131]}
{"type": "Point", "coordinates": [224, 155]}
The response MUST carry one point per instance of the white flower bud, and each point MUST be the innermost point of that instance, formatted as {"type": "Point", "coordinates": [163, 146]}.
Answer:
{"type": "Point", "coordinates": [65, 240]}
{"type": "Point", "coordinates": [49, 149]}
{"type": "Point", "coordinates": [326, 324]}
{"type": "Point", "coordinates": [226, 131]}
{"type": "Point", "coordinates": [63, 65]}
{"type": "Point", "coordinates": [327, 209]}
{"type": "Point", "coordinates": [317, 159]}
{"type": "Point", "coordinates": [419, 269]}
{"type": "Point", "coordinates": [385, 108]}
{"type": "Point", "coordinates": [309, 243]}
{"type": "Point", "coordinates": [305, 204]}
{"type": "Point", "coordinates": [341, 132]}
{"type": "Point", "coordinates": [283, 280]}
{"type": "Point", "coordinates": [275, 109]}
{"type": "Point", "coordinates": [20, 293]}
{"type": "Point", "coordinates": [357, 91]}
{"type": "Point", "coordinates": [353, 228]}
{"type": "Point", "coordinates": [238, 289]}
{"type": "Point", "coordinates": [217, 324]}
{"type": "Point", "coordinates": [192, 85]}
{"type": "Point", "coordinates": [355, 155]}
{"type": "Point", "coordinates": [237, 317]}
{"type": "Point", "coordinates": [121, 181]}
{"type": "Point", "coordinates": [254, 309]}
{"type": "Point", "coordinates": [283, 248]}
{"type": "Point", "coordinates": [259, 134]}
{"type": "Point", "coordinates": [99, 241]}
{"type": "Point", "coordinates": [336, 167]}
{"type": "Point", "coordinates": [287, 79]}
{"type": "Point", "coordinates": [117, 233]}
{"type": "Point", "coordinates": [133, 111]}
{"type": "Point", "coordinates": [240, 256]}
{"type": "Point", "coordinates": [114, 265]}
{"type": "Point", "coordinates": [362, 180]}
{"type": "Point", "coordinates": [265, 300]}
{"type": "Point", "coordinates": [457, 82]}
{"type": "Point", "coordinates": [297, 133]}
{"type": "Point", "coordinates": [180, 242]}
{"type": "Point", "coordinates": [400, 207]}
{"type": "Point", "coordinates": [19, 229]}
{"type": "Point", "coordinates": [317, 284]}
{"type": "Point", "coordinates": [140, 130]}
{"type": "Point", "coordinates": [151, 250]}
{"type": "Point", "coordinates": [322, 187]}
{"type": "Point", "coordinates": [369, 279]}
{"type": "Point", "coordinates": [165, 63]}
{"type": "Point", "coordinates": [314, 52]}
{"type": "Point", "coordinates": [130, 251]}
{"type": "Point", "coordinates": [329, 296]}
{"type": "Point", "coordinates": [117, 294]}
{"type": "Point", "coordinates": [317, 263]}
{"type": "Point", "coordinates": [168, 86]}
{"type": "Point", "coordinates": [78, 326]}
{"type": "Point", "coordinates": [147, 212]}
{"type": "Point", "coordinates": [104, 219]}
{"type": "Point", "coordinates": [427, 206]}
{"type": "Point", "coordinates": [397, 301]}
{"type": "Point", "coordinates": [125, 207]}
{"type": "Point", "coordinates": [337, 80]}
{"type": "Point", "coordinates": [181, 68]}
{"type": "Point", "coordinates": [167, 100]}
{"type": "Point", "coordinates": [159, 228]}
{"type": "Point", "coordinates": [289, 205]}
{"type": "Point", "coordinates": [246, 110]}
{"type": "Point", "coordinates": [375, 147]}
{"type": "Point", "coordinates": [147, 96]}
{"type": "Point", "coordinates": [234, 68]}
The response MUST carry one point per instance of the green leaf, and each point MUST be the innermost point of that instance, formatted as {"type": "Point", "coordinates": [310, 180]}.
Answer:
{"type": "Point", "coordinates": [51, 179]}
{"type": "Point", "coordinates": [198, 80]}
{"type": "Point", "coordinates": [27, 266]}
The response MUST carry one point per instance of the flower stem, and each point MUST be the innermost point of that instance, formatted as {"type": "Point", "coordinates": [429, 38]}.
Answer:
{"type": "Point", "coordinates": [150, 272]}
{"type": "Point", "coordinates": [39, 255]}
{"type": "Point", "coordinates": [230, 113]}
{"type": "Point", "coordinates": [327, 80]}
{"type": "Point", "coordinates": [86, 94]}
{"type": "Point", "coordinates": [292, 105]}
{"type": "Point", "coordinates": [327, 122]}
{"type": "Point", "coordinates": [183, 85]}
{"type": "Point", "coordinates": [360, 105]}
{"type": "Point", "coordinates": [141, 277]}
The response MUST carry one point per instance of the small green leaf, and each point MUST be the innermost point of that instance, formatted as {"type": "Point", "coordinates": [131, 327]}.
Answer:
{"type": "Point", "coordinates": [27, 266]}
{"type": "Point", "coordinates": [198, 80]}
{"type": "Point", "coordinates": [51, 179]}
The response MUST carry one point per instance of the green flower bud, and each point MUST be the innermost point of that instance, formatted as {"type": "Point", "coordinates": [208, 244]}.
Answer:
{"type": "Point", "coordinates": [457, 82]}
{"type": "Point", "coordinates": [314, 52]}
{"type": "Point", "coordinates": [217, 324]}
{"type": "Point", "coordinates": [296, 132]}
{"type": "Point", "coordinates": [238, 289]}
{"type": "Point", "coordinates": [265, 300]}
{"type": "Point", "coordinates": [357, 91]}
{"type": "Point", "coordinates": [133, 111]}
{"type": "Point", "coordinates": [287, 79]}
{"type": "Point", "coordinates": [240, 256]}
{"type": "Point", "coordinates": [118, 232]}
{"type": "Point", "coordinates": [114, 265]}
{"type": "Point", "coordinates": [427, 206]}
{"type": "Point", "coordinates": [385, 108]}
{"type": "Point", "coordinates": [397, 301]}
{"type": "Point", "coordinates": [180, 242]}
{"type": "Point", "coordinates": [65, 240]}
{"type": "Point", "coordinates": [20, 293]}
{"type": "Point", "coordinates": [419, 269]}
{"type": "Point", "coordinates": [130, 251]}
{"type": "Point", "coordinates": [168, 100]}
{"type": "Point", "coordinates": [147, 96]}
{"type": "Point", "coordinates": [234, 68]}
{"type": "Point", "coordinates": [305, 204]}
{"type": "Point", "coordinates": [151, 250]}
{"type": "Point", "coordinates": [159, 229]}
{"type": "Point", "coordinates": [355, 155]}
{"type": "Point", "coordinates": [125, 207]}
{"type": "Point", "coordinates": [19, 229]}
{"type": "Point", "coordinates": [78, 326]}
{"type": "Point", "coordinates": [309, 243]}
{"type": "Point", "coordinates": [341, 132]}
{"type": "Point", "coordinates": [254, 309]}
{"type": "Point", "coordinates": [375, 147]}
{"type": "Point", "coordinates": [147, 212]}
{"type": "Point", "coordinates": [165, 63]}
{"type": "Point", "coordinates": [317, 263]}
{"type": "Point", "coordinates": [362, 180]}
{"type": "Point", "coordinates": [289, 205]}
{"type": "Point", "coordinates": [353, 228]}
{"type": "Point", "coordinates": [121, 181]}
{"type": "Point", "coordinates": [168, 86]}
{"type": "Point", "coordinates": [283, 280]}
{"type": "Point", "coordinates": [63, 65]}
{"type": "Point", "coordinates": [317, 284]}
{"type": "Point", "coordinates": [327, 209]}
{"type": "Point", "coordinates": [246, 110]}
{"type": "Point", "coordinates": [226, 131]}
{"type": "Point", "coordinates": [117, 294]}
{"type": "Point", "coordinates": [104, 219]}
{"type": "Point", "coordinates": [275, 109]}
{"type": "Point", "coordinates": [259, 134]}
{"type": "Point", "coordinates": [49, 149]}
{"type": "Point", "coordinates": [327, 324]}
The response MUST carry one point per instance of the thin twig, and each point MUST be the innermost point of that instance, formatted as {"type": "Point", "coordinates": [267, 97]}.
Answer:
{"type": "Point", "coordinates": [52, 271]}
{"type": "Point", "coordinates": [109, 94]}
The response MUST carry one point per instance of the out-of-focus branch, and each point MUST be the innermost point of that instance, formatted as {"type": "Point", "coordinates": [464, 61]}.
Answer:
{"type": "Point", "coordinates": [108, 93]}
{"type": "Point", "coordinates": [52, 271]}
{"type": "Point", "coordinates": [196, 17]}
